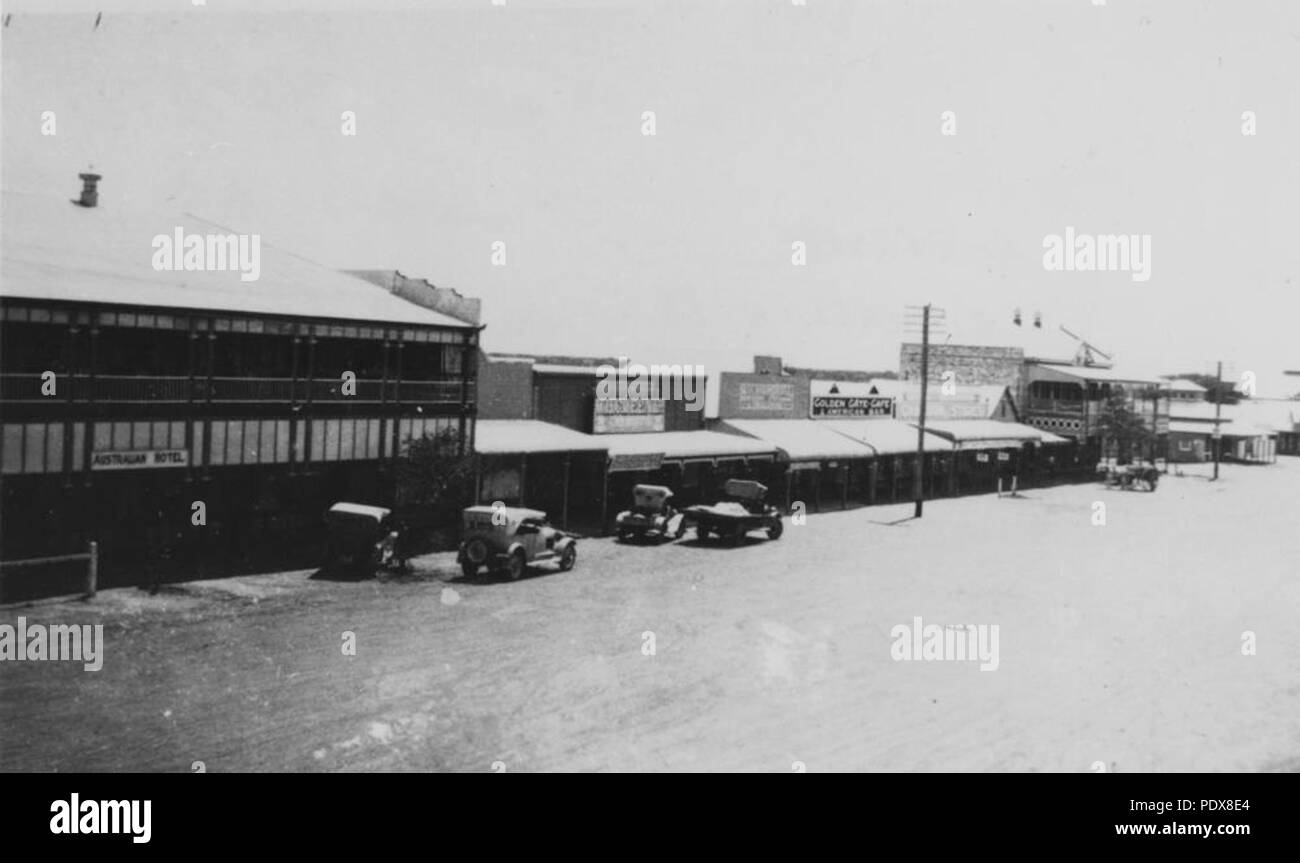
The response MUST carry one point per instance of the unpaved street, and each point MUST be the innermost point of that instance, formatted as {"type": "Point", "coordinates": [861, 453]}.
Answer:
{"type": "Point", "coordinates": [1118, 643]}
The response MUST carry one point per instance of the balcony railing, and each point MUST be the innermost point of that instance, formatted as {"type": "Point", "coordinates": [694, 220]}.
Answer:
{"type": "Point", "coordinates": [1055, 406]}
{"type": "Point", "coordinates": [15, 388]}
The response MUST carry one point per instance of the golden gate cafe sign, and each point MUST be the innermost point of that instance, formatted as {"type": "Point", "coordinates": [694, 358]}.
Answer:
{"type": "Point", "coordinates": [852, 406]}
{"type": "Point", "coordinates": [139, 459]}
{"type": "Point", "coordinates": [621, 416]}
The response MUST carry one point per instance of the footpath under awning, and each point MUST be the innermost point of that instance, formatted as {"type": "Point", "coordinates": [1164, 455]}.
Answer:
{"type": "Point", "coordinates": [649, 450]}
{"type": "Point", "coordinates": [986, 434]}
{"type": "Point", "coordinates": [803, 440]}
{"type": "Point", "coordinates": [887, 436]}
{"type": "Point", "coordinates": [525, 437]}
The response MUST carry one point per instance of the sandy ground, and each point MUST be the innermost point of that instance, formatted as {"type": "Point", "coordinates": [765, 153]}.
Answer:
{"type": "Point", "coordinates": [1118, 644]}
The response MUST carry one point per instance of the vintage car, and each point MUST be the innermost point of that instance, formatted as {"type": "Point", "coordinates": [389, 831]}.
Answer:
{"type": "Point", "coordinates": [652, 515]}
{"type": "Point", "coordinates": [507, 538]}
{"type": "Point", "coordinates": [743, 509]}
{"type": "Point", "coordinates": [1130, 476]}
{"type": "Point", "coordinates": [361, 538]}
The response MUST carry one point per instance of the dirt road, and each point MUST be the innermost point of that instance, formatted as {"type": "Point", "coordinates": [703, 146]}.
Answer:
{"type": "Point", "coordinates": [1118, 643]}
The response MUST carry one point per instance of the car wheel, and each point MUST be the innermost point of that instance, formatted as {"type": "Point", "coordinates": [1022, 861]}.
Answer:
{"type": "Point", "coordinates": [476, 551]}
{"type": "Point", "coordinates": [516, 565]}
{"type": "Point", "coordinates": [701, 532]}
{"type": "Point", "coordinates": [469, 568]}
{"type": "Point", "coordinates": [738, 534]}
{"type": "Point", "coordinates": [775, 529]}
{"type": "Point", "coordinates": [568, 558]}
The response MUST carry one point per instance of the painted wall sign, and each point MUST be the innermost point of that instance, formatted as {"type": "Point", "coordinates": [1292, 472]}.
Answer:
{"type": "Point", "coordinates": [139, 459]}
{"type": "Point", "coordinates": [766, 397]}
{"type": "Point", "coordinates": [852, 406]}
{"type": "Point", "coordinates": [621, 416]}
{"type": "Point", "coordinates": [639, 461]}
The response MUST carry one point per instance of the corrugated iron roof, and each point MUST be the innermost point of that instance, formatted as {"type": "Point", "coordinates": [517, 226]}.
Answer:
{"type": "Point", "coordinates": [803, 439]}
{"type": "Point", "coordinates": [686, 444]}
{"type": "Point", "coordinates": [508, 437]}
{"type": "Point", "coordinates": [887, 436]}
{"type": "Point", "coordinates": [54, 250]}
{"type": "Point", "coordinates": [985, 434]}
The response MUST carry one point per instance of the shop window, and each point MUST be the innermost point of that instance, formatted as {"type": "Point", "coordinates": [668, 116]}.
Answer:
{"type": "Point", "coordinates": [34, 448]}
{"type": "Point", "coordinates": [78, 446]}
{"type": "Point", "coordinates": [282, 441]}
{"type": "Point", "coordinates": [347, 439]}
{"type": "Point", "coordinates": [267, 445]}
{"type": "Point", "coordinates": [234, 442]}
{"type": "Point", "coordinates": [218, 442]}
{"type": "Point", "coordinates": [196, 452]}
{"type": "Point", "coordinates": [13, 449]}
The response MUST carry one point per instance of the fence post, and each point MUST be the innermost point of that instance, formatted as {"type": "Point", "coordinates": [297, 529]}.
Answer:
{"type": "Point", "coordinates": [92, 570]}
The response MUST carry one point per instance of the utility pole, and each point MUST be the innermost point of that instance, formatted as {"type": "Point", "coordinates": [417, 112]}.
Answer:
{"type": "Point", "coordinates": [1218, 406]}
{"type": "Point", "coordinates": [918, 492]}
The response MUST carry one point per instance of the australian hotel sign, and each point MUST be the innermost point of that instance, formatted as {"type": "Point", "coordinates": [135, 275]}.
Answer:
{"type": "Point", "coordinates": [139, 459]}
{"type": "Point", "coordinates": [852, 406]}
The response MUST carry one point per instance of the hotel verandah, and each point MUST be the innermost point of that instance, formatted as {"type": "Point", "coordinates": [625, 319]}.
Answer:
{"type": "Point", "coordinates": [234, 388]}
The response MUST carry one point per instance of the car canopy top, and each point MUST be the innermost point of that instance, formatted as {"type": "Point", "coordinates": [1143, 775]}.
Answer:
{"type": "Point", "coordinates": [651, 496]}
{"type": "Point", "coordinates": [513, 515]}
{"type": "Point", "coordinates": [377, 513]}
{"type": "Point", "coordinates": [745, 489]}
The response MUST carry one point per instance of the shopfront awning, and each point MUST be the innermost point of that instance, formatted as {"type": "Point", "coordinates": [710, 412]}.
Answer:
{"type": "Point", "coordinates": [803, 439]}
{"type": "Point", "coordinates": [886, 436]}
{"type": "Point", "coordinates": [986, 434]}
{"type": "Point", "coordinates": [1227, 428]}
{"type": "Point", "coordinates": [524, 437]}
{"type": "Point", "coordinates": [682, 446]}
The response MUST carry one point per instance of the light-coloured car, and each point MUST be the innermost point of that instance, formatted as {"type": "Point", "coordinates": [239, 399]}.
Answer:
{"type": "Point", "coordinates": [507, 539]}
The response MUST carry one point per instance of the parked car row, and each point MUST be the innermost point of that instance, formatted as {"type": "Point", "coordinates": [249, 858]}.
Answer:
{"type": "Point", "coordinates": [507, 539]}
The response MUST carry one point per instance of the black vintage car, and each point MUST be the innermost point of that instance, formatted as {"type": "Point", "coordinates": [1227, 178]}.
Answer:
{"type": "Point", "coordinates": [362, 538]}
{"type": "Point", "coordinates": [652, 515]}
{"type": "Point", "coordinates": [1130, 476]}
{"type": "Point", "coordinates": [743, 508]}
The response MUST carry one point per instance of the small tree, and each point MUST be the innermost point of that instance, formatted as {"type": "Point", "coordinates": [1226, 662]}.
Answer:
{"type": "Point", "coordinates": [434, 481]}
{"type": "Point", "coordinates": [1121, 425]}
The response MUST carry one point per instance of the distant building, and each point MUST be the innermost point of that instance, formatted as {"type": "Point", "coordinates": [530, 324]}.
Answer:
{"type": "Point", "coordinates": [971, 436]}
{"type": "Point", "coordinates": [1254, 431]}
{"type": "Point", "coordinates": [1183, 390]}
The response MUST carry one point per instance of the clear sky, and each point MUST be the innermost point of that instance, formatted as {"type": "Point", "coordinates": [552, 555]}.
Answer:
{"type": "Point", "coordinates": [774, 123]}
